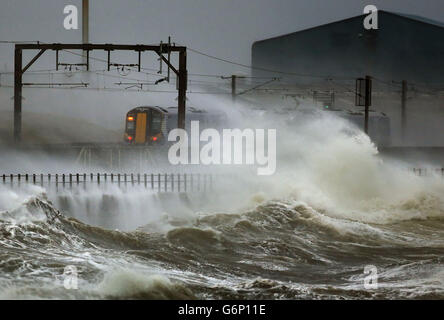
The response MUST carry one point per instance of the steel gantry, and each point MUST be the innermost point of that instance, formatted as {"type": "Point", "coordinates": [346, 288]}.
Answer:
{"type": "Point", "coordinates": [161, 49]}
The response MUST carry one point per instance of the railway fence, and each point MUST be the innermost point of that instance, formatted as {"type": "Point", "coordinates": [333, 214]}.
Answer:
{"type": "Point", "coordinates": [424, 172]}
{"type": "Point", "coordinates": [160, 182]}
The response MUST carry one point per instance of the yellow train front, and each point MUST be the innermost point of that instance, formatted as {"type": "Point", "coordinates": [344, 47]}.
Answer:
{"type": "Point", "coordinates": [145, 125]}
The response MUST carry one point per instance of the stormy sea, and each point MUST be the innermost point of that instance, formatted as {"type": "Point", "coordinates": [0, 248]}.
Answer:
{"type": "Point", "coordinates": [334, 209]}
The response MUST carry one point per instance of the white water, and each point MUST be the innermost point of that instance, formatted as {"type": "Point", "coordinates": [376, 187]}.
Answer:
{"type": "Point", "coordinates": [322, 161]}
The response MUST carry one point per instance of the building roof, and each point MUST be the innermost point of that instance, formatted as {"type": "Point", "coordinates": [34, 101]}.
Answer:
{"type": "Point", "coordinates": [419, 19]}
{"type": "Point", "coordinates": [414, 18]}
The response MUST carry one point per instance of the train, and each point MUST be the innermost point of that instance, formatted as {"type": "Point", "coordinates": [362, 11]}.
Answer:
{"type": "Point", "coordinates": [150, 125]}
{"type": "Point", "coordinates": [378, 124]}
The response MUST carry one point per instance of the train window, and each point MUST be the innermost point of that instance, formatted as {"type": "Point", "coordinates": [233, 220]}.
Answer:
{"type": "Point", "coordinates": [130, 125]}
{"type": "Point", "coordinates": [156, 122]}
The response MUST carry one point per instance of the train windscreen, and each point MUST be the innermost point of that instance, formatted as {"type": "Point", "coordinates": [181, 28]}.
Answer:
{"type": "Point", "coordinates": [156, 123]}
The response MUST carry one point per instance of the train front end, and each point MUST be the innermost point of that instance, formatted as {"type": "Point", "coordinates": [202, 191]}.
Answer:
{"type": "Point", "coordinates": [144, 126]}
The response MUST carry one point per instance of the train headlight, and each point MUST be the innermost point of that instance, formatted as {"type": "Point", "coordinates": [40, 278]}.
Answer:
{"type": "Point", "coordinates": [130, 118]}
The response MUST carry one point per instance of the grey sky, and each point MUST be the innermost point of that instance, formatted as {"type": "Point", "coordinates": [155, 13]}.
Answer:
{"type": "Point", "coordinates": [225, 28]}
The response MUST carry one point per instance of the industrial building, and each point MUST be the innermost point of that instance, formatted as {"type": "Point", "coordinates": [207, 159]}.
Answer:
{"type": "Point", "coordinates": [404, 47]}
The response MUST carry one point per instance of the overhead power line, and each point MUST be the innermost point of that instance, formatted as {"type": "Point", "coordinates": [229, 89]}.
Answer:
{"type": "Point", "coordinates": [325, 77]}
{"type": "Point", "coordinates": [257, 86]}
{"type": "Point", "coordinates": [119, 89]}
{"type": "Point", "coordinates": [14, 42]}
{"type": "Point", "coordinates": [260, 68]}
